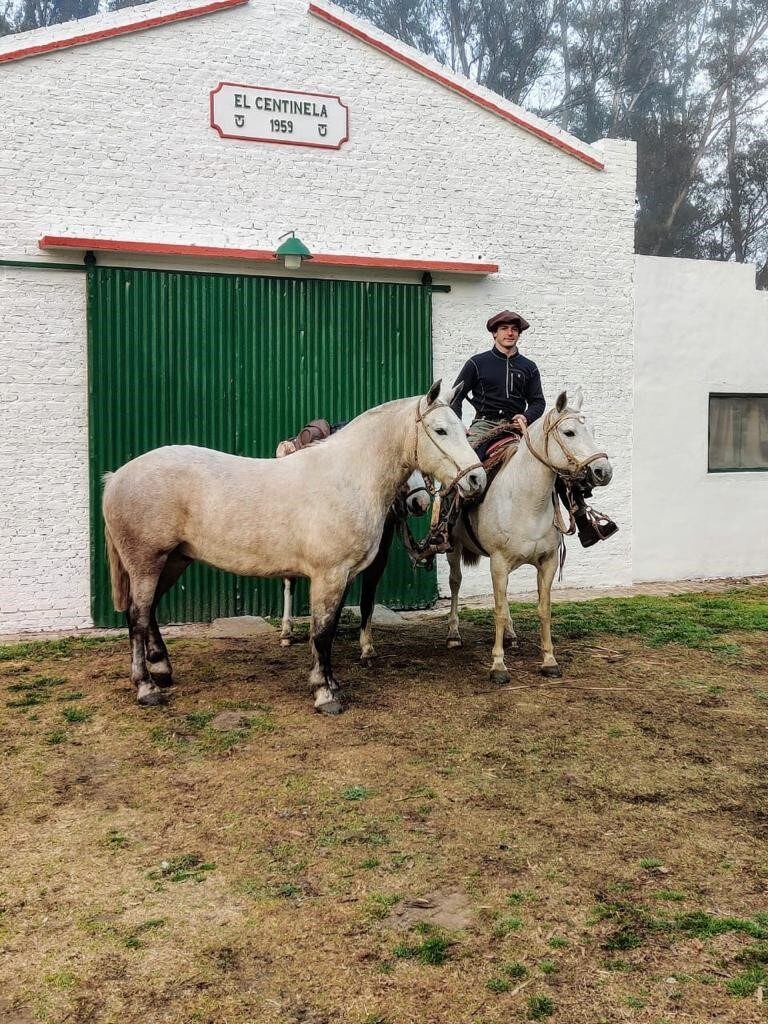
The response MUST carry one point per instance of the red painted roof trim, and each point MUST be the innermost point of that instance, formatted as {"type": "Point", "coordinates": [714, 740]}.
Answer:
{"type": "Point", "coordinates": [119, 30]}
{"type": "Point", "coordinates": [261, 255]}
{"type": "Point", "coordinates": [449, 83]}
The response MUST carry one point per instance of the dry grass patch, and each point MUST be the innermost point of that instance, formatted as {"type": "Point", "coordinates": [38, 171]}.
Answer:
{"type": "Point", "coordinates": [233, 857]}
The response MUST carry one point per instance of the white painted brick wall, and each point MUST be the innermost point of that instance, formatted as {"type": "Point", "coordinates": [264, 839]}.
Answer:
{"type": "Point", "coordinates": [112, 140]}
{"type": "Point", "coordinates": [44, 575]}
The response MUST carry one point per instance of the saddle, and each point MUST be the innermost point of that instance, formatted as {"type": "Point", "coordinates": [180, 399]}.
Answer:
{"type": "Point", "coordinates": [315, 430]}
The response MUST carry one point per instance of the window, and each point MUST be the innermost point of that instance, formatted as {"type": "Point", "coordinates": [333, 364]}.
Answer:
{"type": "Point", "coordinates": [738, 432]}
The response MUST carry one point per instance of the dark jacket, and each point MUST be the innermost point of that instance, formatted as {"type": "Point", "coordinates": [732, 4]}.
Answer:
{"type": "Point", "coordinates": [500, 387]}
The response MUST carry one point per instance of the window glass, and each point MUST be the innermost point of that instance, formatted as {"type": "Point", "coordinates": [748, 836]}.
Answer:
{"type": "Point", "coordinates": [738, 432]}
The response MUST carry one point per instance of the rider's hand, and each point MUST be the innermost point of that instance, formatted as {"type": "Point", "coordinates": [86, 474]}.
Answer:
{"type": "Point", "coordinates": [520, 422]}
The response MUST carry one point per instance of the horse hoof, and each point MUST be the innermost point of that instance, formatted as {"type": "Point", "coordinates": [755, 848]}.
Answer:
{"type": "Point", "coordinates": [551, 671]}
{"type": "Point", "coordinates": [511, 644]}
{"type": "Point", "coordinates": [368, 660]}
{"type": "Point", "coordinates": [286, 641]}
{"type": "Point", "coordinates": [454, 641]}
{"type": "Point", "coordinates": [331, 707]}
{"type": "Point", "coordinates": [500, 677]}
{"type": "Point", "coordinates": [162, 679]}
{"type": "Point", "coordinates": [150, 698]}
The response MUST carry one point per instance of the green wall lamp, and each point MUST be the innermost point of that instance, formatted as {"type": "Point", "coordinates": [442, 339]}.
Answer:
{"type": "Point", "coordinates": [292, 251]}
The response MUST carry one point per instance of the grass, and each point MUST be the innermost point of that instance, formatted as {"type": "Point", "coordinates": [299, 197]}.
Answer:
{"type": "Point", "coordinates": [432, 950]}
{"type": "Point", "coordinates": [74, 715]}
{"type": "Point", "coordinates": [317, 829]}
{"type": "Point", "coordinates": [540, 1007]}
{"type": "Point", "coordinates": [45, 650]}
{"type": "Point", "coordinates": [184, 868]}
{"type": "Point", "coordinates": [692, 620]}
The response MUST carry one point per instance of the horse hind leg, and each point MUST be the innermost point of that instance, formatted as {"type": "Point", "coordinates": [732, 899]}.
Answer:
{"type": "Point", "coordinates": [158, 659]}
{"type": "Point", "coordinates": [371, 577]}
{"type": "Point", "coordinates": [139, 614]}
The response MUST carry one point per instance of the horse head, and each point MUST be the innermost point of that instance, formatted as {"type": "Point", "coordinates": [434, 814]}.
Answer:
{"type": "Point", "coordinates": [569, 446]}
{"type": "Point", "coordinates": [417, 499]}
{"type": "Point", "coordinates": [441, 447]}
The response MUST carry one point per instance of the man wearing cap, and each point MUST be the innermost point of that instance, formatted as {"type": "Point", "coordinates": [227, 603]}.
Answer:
{"type": "Point", "coordinates": [504, 386]}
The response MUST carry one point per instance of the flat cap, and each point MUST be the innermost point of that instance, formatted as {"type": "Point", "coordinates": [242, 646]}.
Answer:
{"type": "Point", "coordinates": [506, 316]}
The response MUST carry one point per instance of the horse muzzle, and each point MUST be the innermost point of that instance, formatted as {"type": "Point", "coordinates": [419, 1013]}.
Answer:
{"type": "Point", "coordinates": [600, 472]}
{"type": "Point", "coordinates": [418, 504]}
{"type": "Point", "coordinates": [473, 483]}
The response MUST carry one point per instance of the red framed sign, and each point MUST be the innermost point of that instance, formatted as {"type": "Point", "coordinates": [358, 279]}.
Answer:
{"type": "Point", "coordinates": [260, 114]}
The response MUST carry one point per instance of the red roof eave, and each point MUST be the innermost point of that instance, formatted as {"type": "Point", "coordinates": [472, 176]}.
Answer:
{"type": "Point", "coordinates": [262, 255]}
{"type": "Point", "coordinates": [118, 30]}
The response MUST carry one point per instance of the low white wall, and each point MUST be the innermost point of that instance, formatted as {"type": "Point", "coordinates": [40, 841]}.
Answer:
{"type": "Point", "coordinates": [700, 327]}
{"type": "Point", "coordinates": [44, 534]}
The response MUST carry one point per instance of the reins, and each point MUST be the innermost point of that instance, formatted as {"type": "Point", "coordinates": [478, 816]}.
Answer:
{"type": "Point", "coordinates": [421, 418]}
{"type": "Point", "coordinates": [575, 468]}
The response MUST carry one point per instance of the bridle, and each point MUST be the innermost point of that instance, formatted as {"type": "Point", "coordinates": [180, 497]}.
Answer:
{"type": "Point", "coordinates": [421, 418]}
{"type": "Point", "coordinates": [575, 466]}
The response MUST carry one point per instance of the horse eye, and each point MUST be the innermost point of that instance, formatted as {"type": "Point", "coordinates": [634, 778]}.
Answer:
{"type": "Point", "coordinates": [441, 432]}
{"type": "Point", "coordinates": [570, 433]}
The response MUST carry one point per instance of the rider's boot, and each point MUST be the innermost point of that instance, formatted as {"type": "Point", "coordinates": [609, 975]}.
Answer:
{"type": "Point", "coordinates": [591, 526]}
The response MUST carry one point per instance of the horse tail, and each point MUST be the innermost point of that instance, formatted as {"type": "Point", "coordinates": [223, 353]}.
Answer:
{"type": "Point", "coordinates": [121, 584]}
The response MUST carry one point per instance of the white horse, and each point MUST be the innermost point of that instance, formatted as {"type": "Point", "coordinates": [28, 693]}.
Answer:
{"type": "Point", "coordinates": [318, 514]}
{"type": "Point", "coordinates": [415, 498]}
{"type": "Point", "coordinates": [515, 525]}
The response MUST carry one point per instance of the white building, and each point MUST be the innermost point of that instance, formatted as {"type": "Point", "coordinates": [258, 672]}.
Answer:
{"type": "Point", "coordinates": [129, 146]}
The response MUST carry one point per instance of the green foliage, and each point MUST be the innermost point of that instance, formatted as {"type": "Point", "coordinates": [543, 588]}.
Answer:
{"type": "Point", "coordinates": [187, 867]}
{"type": "Point", "coordinates": [557, 942]}
{"type": "Point", "coordinates": [748, 982]}
{"type": "Point", "coordinates": [548, 967]}
{"type": "Point", "coordinates": [43, 650]}
{"type": "Point", "coordinates": [540, 1007]}
{"type": "Point", "coordinates": [433, 950]}
{"type": "Point", "coordinates": [651, 863]}
{"type": "Point", "coordinates": [504, 925]}
{"type": "Point", "coordinates": [378, 904]}
{"type": "Point", "coordinates": [77, 714]}
{"type": "Point", "coordinates": [515, 970]}
{"type": "Point", "coordinates": [497, 985]}
{"type": "Point", "coordinates": [357, 793]}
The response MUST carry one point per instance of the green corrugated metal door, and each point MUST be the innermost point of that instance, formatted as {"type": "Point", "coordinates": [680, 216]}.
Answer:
{"type": "Point", "coordinates": [238, 363]}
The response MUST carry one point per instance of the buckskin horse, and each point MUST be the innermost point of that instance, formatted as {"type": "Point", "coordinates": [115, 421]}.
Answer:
{"type": "Point", "coordinates": [318, 514]}
{"type": "Point", "coordinates": [516, 524]}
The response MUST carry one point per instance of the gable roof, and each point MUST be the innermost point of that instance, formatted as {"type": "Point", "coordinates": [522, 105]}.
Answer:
{"type": "Point", "coordinates": [104, 26]}
{"type": "Point", "coordinates": [137, 19]}
{"type": "Point", "coordinates": [485, 98]}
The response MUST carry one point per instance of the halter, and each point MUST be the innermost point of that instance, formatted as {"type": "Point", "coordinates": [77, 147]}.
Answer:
{"type": "Point", "coordinates": [421, 418]}
{"type": "Point", "coordinates": [575, 466]}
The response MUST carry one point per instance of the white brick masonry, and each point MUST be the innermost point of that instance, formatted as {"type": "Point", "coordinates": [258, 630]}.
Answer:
{"type": "Point", "coordinates": [44, 536]}
{"type": "Point", "coordinates": [112, 140]}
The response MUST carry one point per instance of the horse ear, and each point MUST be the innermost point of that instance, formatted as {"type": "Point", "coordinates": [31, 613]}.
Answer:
{"type": "Point", "coordinates": [562, 401]}
{"type": "Point", "coordinates": [434, 392]}
{"type": "Point", "coordinates": [579, 399]}
{"type": "Point", "coordinates": [454, 393]}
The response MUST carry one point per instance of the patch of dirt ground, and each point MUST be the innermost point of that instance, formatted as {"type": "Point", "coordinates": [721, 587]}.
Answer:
{"type": "Point", "coordinates": [586, 850]}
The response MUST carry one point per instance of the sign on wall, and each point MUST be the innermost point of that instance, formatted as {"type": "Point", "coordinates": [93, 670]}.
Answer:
{"type": "Point", "coordinates": [259, 114]}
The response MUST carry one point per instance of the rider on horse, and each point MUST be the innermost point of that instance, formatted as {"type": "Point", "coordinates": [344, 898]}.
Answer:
{"type": "Point", "coordinates": [505, 389]}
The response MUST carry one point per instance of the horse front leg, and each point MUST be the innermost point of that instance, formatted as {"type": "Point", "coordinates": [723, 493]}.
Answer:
{"type": "Point", "coordinates": [371, 578]}
{"type": "Point", "coordinates": [545, 574]}
{"type": "Point", "coordinates": [454, 578]}
{"type": "Point", "coordinates": [286, 633]}
{"type": "Point", "coordinates": [500, 577]}
{"type": "Point", "coordinates": [327, 599]}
